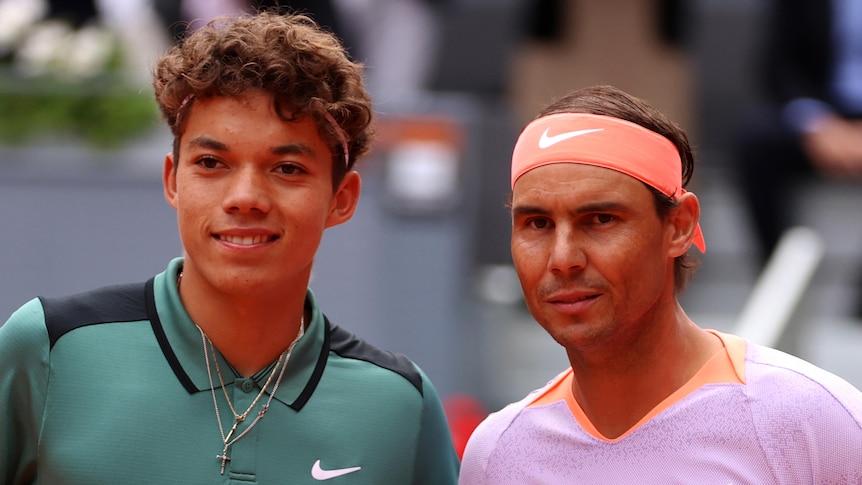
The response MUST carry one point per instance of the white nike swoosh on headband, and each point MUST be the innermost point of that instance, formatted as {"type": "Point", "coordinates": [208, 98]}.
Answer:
{"type": "Point", "coordinates": [546, 141]}
{"type": "Point", "coordinates": [319, 473]}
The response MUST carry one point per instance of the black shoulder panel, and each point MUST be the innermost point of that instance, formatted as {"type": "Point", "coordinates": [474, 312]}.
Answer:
{"type": "Point", "coordinates": [348, 345]}
{"type": "Point", "coordinates": [122, 303]}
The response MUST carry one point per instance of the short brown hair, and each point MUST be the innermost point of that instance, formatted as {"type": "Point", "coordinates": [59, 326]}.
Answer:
{"type": "Point", "coordinates": [610, 101]}
{"type": "Point", "coordinates": [304, 67]}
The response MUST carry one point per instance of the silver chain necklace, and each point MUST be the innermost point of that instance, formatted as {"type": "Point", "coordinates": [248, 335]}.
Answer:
{"type": "Point", "coordinates": [226, 438]}
{"type": "Point", "coordinates": [239, 418]}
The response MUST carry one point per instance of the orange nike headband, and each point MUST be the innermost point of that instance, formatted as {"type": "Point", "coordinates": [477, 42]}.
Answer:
{"type": "Point", "coordinates": [602, 141]}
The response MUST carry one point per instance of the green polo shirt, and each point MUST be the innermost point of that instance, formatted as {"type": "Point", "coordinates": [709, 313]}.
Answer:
{"type": "Point", "coordinates": [111, 387]}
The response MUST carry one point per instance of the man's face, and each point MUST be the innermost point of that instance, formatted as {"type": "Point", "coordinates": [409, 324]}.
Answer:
{"type": "Point", "coordinates": [591, 252]}
{"type": "Point", "coordinates": [253, 195]}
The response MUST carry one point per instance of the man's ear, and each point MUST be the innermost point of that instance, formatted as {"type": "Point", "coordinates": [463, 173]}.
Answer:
{"type": "Point", "coordinates": [345, 199]}
{"type": "Point", "coordinates": [169, 180]}
{"type": "Point", "coordinates": [683, 221]}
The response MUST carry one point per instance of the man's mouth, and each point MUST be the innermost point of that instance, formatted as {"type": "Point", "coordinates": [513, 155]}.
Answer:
{"type": "Point", "coordinates": [572, 297]}
{"type": "Point", "coordinates": [246, 240]}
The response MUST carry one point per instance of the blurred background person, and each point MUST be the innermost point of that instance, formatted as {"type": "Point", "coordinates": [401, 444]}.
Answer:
{"type": "Point", "coordinates": [178, 15]}
{"type": "Point", "coordinates": [396, 39]}
{"type": "Point", "coordinates": [807, 121]}
{"type": "Point", "coordinates": [77, 12]}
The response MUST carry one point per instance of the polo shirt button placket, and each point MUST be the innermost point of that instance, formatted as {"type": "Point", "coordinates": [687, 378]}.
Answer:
{"type": "Point", "coordinates": [247, 385]}
{"type": "Point", "coordinates": [244, 451]}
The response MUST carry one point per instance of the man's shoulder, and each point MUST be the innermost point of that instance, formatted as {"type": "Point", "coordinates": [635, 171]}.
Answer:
{"type": "Point", "coordinates": [498, 422]}
{"type": "Point", "coordinates": [348, 346]}
{"type": "Point", "coordinates": [809, 413]}
{"type": "Point", "coordinates": [502, 428]}
{"type": "Point", "coordinates": [109, 304]}
{"type": "Point", "coordinates": [789, 382]}
{"type": "Point", "coordinates": [766, 364]}
{"type": "Point", "coordinates": [37, 325]}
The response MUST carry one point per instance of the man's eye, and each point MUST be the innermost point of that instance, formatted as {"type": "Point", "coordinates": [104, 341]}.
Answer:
{"type": "Point", "coordinates": [208, 162]}
{"type": "Point", "coordinates": [604, 218]}
{"type": "Point", "coordinates": [539, 223]}
{"type": "Point", "coordinates": [289, 169]}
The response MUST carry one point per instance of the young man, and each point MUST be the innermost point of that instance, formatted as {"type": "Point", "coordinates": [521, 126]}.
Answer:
{"type": "Point", "coordinates": [222, 368]}
{"type": "Point", "coordinates": [601, 226]}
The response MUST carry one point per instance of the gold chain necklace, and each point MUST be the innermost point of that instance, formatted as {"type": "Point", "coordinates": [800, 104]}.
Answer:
{"type": "Point", "coordinates": [226, 438]}
{"type": "Point", "coordinates": [239, 418]}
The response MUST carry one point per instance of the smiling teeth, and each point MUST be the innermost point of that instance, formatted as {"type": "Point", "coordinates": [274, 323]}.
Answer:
{"type": "Point", "coordinates": [245, 240]}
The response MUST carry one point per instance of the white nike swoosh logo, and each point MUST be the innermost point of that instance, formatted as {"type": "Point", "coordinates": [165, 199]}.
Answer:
{"type": "Point", "coordinates": [546, 141]}
{"type": "Point", "coordinates": [320, 474]}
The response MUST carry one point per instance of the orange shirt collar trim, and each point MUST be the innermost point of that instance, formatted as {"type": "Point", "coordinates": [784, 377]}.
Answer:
{"type": "Point", "coordinates": [726, 367]}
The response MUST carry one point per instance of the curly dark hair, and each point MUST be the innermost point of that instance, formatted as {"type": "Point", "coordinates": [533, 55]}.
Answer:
{"type": "Point", "coordinates": [611, 101]}
{"type": "Point", "coordinates": [304, 67]}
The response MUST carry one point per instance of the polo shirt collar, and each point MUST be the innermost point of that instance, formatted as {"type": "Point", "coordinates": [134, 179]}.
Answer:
{"type": "Point", "coordinates": [182, 345]}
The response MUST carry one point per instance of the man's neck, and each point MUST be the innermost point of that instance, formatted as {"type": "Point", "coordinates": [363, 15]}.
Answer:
{"type": "Point", "coordinates": [615, 393]}
{"type": "Point", "coordinates": [250, 330]}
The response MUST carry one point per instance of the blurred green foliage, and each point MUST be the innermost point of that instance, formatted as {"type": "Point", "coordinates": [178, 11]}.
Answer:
{"type": "Point", "coordinates": [101, 111]}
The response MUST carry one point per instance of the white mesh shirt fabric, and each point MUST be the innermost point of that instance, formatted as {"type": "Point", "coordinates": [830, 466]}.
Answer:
{"type": "Point", "coordinates": [791, 423]}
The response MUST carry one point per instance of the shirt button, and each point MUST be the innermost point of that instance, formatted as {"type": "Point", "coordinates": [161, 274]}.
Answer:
{"type": "Point", "coordinates": [247, 385]}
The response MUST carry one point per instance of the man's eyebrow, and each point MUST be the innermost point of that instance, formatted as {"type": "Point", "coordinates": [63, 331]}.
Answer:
{"type": "Point", "coordinates": [205, 141]}
{"type": "Point", "coordinates": [525, 210]}
{"type": "Point", "coordinates": [293, 149]}
{"type": "Point", "coordinates": [606, 206]}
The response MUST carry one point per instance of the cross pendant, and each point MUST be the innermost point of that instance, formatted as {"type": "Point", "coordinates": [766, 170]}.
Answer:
{"type": "Point", "coordinates": [224, 459]}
